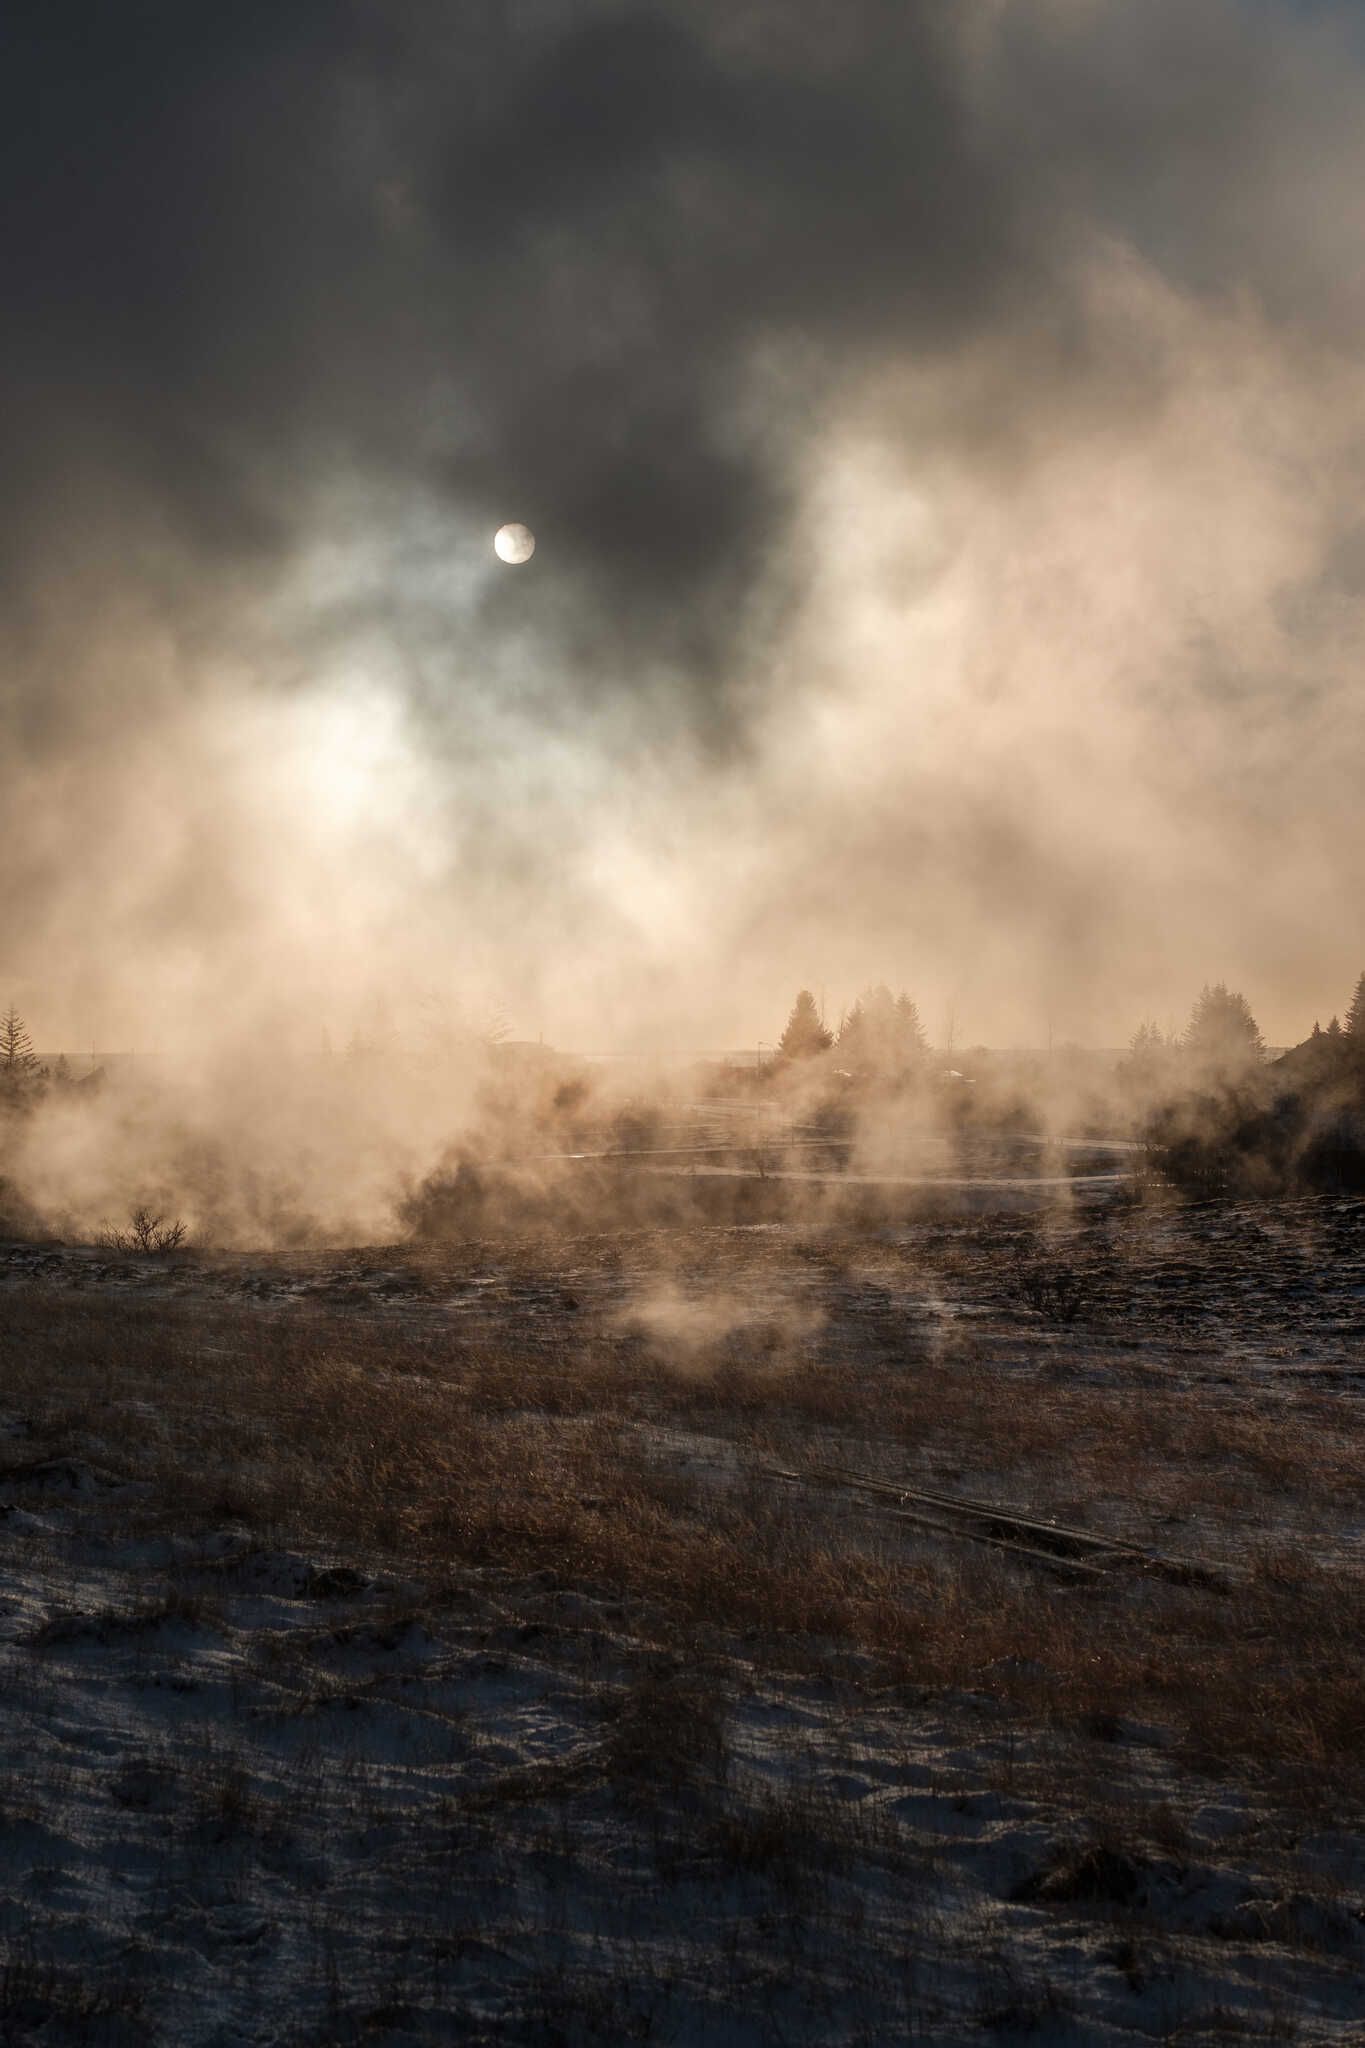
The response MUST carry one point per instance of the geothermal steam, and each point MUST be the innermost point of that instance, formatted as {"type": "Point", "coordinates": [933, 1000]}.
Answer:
{"type": "Point", "coordinates": [958, 576]}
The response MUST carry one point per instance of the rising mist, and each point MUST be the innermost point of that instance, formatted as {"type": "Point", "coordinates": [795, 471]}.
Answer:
{"type": "Point", "coordinates": [943, 433]}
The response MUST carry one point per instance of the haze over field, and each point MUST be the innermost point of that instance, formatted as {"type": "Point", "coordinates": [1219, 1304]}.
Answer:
{"type": "Point", "coordinates": [682, 1023]}
{"type": "Point", "coordinates": [942, 428]}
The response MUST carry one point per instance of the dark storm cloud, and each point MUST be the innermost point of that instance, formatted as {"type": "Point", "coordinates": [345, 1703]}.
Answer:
{"type": "Point", "coordinates": [644, 209]}
{"type": "Point", "coordinates": [180, 222]}
{"type": "Point", "coordinates": [590, 266]}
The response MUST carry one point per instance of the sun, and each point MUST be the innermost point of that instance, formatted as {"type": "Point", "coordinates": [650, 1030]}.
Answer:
{"type": "Point", "coordinates": [514, 543]}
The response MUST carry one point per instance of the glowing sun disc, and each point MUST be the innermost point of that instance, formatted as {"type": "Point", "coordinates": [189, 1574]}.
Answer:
{"type": "Point", "coordinates": [514, 543]}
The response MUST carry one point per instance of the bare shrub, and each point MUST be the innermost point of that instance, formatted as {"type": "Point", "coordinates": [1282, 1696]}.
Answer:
{"type": "Point", "coordinates": [147, 1231]}
{"type": "Point", "coordinates": [1057, 1292]}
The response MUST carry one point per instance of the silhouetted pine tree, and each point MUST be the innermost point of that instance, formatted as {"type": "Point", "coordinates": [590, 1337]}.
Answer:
{"type": "Point", "coordinates": [16, 1047]}
{"type": "Point", "coordinates": [1355, 1016]}
{"type": "Point", "coordinates": [1146, 1043]}
{"type": "Point", "coordinates": [805, 1035]}
{"type": "Point", "coordinates": [850, 1028]}
{"type": "Point", "coordinates": [913, 1043]}
{"type": "Point", "coordinates": [1222, 1036]}
{"type": "Point", "coordinates": [882, 1035]}
{"type": "Point", "coordinates": [21, 1077]}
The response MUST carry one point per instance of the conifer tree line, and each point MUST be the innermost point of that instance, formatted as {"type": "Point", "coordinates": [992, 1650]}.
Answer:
{"type": "Point", "coordinates": [881, 1034]}
{"type": "Point", "coordinates": [1355, 1016]}
{"type": "Point", "coordinates": [1223, 1033]}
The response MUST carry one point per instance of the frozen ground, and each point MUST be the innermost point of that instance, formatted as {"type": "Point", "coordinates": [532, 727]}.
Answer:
{"type": "Point", "coordinates": [267, 1786]}
{"type": "Point", "coordinates": [254, 1796]}
{"type": "Point", "coordinates": [1279, 1286]}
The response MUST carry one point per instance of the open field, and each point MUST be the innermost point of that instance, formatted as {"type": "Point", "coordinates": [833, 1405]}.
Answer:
{"type": "Point", "coordinates": [584, 1638]}
{"type": "Point", "coordinates": [682, 695]}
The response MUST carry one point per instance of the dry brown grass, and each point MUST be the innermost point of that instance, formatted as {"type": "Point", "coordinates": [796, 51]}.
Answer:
{"type": "Point", "coordinates": [1153, 1443]}
{"type": "Point", "coordinates": [328, 1432]}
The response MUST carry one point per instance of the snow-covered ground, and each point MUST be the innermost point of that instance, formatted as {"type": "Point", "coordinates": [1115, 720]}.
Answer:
{"type": "Point", "coordinates": [255, 1796]}
{"type": "Point", "coordinates": [264, 1789]}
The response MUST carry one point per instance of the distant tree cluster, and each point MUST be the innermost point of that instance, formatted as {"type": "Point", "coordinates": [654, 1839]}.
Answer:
{"type": "Point", "coordinates": [1339, 1051]}
{"type": "Point", "coordinates": [1149, 1066]}
{"type": "Point", "coordinates": [1220, 1044]}
{"type": "Point", "coordinates": [881, 1037]}
{"type": "Point", "coordinates": [1221, 1119]}
{"type": "Point", "coordinates": [1222, 1041]}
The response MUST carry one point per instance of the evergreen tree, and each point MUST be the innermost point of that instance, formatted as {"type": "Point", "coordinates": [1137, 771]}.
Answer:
{"type": "Point", "coordinates": [882, 1035]}
{"type": "Point", "coordinates": [1146, 1043]}
{"type": "Point", "coordinates": [913, 1043]}
{"type": "Point", "coordinates": [850, 1030]}
{"type": "Point", "coordinates": [1147, 1050]}
{"type": "Point", "coordinates": [805, 1035]}
{"type": "Point", "coordinates": [21, 1077]}
{"type": "Point", "coordinates": [1222, 1035]}
{"type": "Point", "coordinates": [1334, 1028]}
{"type": "Point", "coordinates": [1355, 1016]}
{"type": "Point", "coordinates": [16, 1047]}
{"type": "Point", "coordinates": [1147, 1068]}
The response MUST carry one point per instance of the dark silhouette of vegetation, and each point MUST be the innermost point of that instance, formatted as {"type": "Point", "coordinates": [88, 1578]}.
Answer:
{"type": "Point", "coordinates": [636, 1127]}
{"type": "Point", "coordinates": [16, 1047]}
{"type": "Point", "coordinates": [147, 1231]}
{"type": "Point", "coordinates": [1147, 1043]}
{"type": "Point", "coordinates": [1056, 1292]}
{"type": "Point", "coordinates": [805, 1035]}
{"type": "Point", "coordinates": [22, 1076]}
{"type": "Point", "coordinates": [1306, 1138]}
{"type": "Point", "coordinates": [1213, 1144]}
{"type": "Point", "coordinates": [1222, 1037]}
{"type": "Point", "coordinates": [1147, 1070]}
{"type": "Point", "coordinates": [1355, 1016]}
{"type": "Point", "coordinates": [881, 1037]}
{"type": "Point", "coordinates": [1243, 1128]}
{"type": "Point", "coordinates": [1213, 1113]}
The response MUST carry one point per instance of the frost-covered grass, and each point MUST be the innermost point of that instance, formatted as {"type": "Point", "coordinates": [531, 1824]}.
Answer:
{"type": "Point", "coordinates": [447, 1664]}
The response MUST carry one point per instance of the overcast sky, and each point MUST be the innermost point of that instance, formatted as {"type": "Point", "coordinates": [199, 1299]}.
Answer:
{"type": "Point", "coordinates": [942, 425]}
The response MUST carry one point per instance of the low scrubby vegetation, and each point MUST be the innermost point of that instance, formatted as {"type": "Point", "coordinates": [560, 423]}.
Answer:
{"type": "Point", "coordinates": [573, 1456]}
{"type": "Point", "coordinates": [146, 1231]}
{"type": "Point", "coordinates": [442, 1631]}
